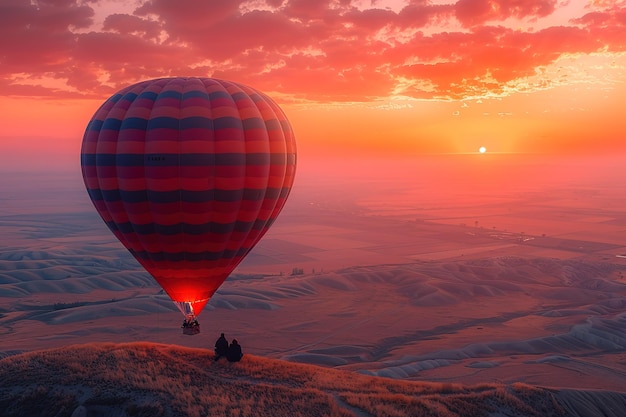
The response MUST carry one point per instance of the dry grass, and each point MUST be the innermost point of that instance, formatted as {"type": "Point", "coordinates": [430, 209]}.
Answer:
{"type": "Point", "coordinates": [145, 379]}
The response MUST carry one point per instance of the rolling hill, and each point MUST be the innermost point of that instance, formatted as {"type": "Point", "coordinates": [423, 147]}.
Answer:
{"type": "Point", "coordinates": [149, 379]}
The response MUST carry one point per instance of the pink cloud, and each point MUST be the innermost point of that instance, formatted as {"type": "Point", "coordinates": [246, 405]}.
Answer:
{"type": "Point", "coordinates": [418, 14]}
{"type": "Point", "coordinates": [38, 38]}
{"type": "Point", "coordinates": [475, 12]}
{"type": "Point", "coordinates": [304, 49]}
{"type": "Point", "coordinates": [369, 20]}
{"type": "Point", "coordinates": [188, 16]}
{"type": "Point", "coordinates": [608, 26]}
{"type": "Point", "coordinates": [502, 54]}
{"type": "Point", "coordinates": [128, 25]}
{"type": "Point", "coordinates": [45, 15]}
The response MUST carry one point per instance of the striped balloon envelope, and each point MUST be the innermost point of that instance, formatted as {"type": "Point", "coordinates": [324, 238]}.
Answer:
{"type": "Point", "coordinates": [189, 174]}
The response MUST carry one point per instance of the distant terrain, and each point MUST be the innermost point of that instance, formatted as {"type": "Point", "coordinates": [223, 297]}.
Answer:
{"type": "Point", "coordinates": [144, 379]}
{"type": "Point", "coordinates": [538, 321]}
{"type": "Point", "coordinates": [416, 279]}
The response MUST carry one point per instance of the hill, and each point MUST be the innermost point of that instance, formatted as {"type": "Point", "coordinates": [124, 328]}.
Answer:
{"type": "Point", "coordinates": [148, 379]}
{"type": "Point", "coordinates": [539, 321]}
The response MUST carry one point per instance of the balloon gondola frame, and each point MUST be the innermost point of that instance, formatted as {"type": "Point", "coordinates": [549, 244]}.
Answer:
{"type": "Point", "coordinates": [190, 326]}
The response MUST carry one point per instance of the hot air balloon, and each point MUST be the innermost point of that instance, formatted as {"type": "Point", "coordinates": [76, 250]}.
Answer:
{"type": "Point", "coordinates": [189, 174]}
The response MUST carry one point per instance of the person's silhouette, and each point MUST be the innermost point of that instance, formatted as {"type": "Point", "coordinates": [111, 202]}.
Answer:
{"type": "Point", "coordinates": [234, 352]}
{"type": "Point", "coordinates": [221, 347]}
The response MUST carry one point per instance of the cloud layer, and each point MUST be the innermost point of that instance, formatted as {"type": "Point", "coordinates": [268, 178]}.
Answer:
{"type": "Point", "coordinates": [331, 50]}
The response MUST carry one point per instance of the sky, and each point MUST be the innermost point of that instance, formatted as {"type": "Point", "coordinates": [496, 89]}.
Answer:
{"type": "Point", "coordinates": [355, 77]}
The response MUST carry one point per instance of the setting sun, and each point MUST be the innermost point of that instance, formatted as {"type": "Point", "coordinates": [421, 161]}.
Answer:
{"type": "Point", "coordinates": [482, 149]}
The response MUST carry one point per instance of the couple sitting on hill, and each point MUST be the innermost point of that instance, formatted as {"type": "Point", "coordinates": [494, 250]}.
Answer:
{"type": "Point", "coordinates": [232, 352]}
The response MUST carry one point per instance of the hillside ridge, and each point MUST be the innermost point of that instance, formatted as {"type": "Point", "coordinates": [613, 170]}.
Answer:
{"type": "Point", "coordinates": [151, 379]}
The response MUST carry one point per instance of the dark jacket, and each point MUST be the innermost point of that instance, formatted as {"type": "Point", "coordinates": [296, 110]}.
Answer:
{"type": "Point", "coordinates": [221, 346]}
{"type": "Point", "coordinates": [234, 352]}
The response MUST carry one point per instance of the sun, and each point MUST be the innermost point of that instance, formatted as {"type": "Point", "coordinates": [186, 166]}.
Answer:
{"type": "Point", "coordinates": [482, 149]}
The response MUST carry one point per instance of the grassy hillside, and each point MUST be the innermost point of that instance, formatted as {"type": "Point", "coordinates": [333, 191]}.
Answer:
{"type": "Point", "coordinates": [146, 379]}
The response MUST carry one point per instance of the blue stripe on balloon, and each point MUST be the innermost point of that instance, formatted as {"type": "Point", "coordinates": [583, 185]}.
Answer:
{"type": "Point", "coordinates": [95, 125]}
{"type": "Point", "coordinates": [130, 96]}
{"type": "Point", "coordinates": [148, 95]}
{"type": "Point", "coordinates": [134, 123]}
{"type": "Point", "coordinates": [220, 94]}
{"type": "Point", "coordinates": [190, 123]}
{"type": "Point", "coordinates": [186, 159]}
{"type": "Point", "coordinates": [195, 94]}
{"type": "Point", "coordinates": [163, 123]}
{"type": "Point", "coordinates": [112, 124]}
{"type": "Point", "coordinates": [196, 122]}
{"type": "Point", "coordinates": [186, 196]}
{"type": "Point", "coordinates": [115, 98]}
{"type": "Point", "coordinates": [189, 256]}
{"type": "Point", "coordinates": [170, 94]}
{"type": "Point", "coordinates": [284, 192]}
{"type": "Point", "coordinates": [185, 228]}
{"type": "Point", "coordinates": [239, 96]}
{"type": "Point", "coordinates": [227, 123]}
{"type": "Point", "coordinates": [253, 123]}
{"type": "Point", "coordinates": [273, 124]}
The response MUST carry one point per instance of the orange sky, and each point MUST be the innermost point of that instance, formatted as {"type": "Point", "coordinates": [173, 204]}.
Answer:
{"type": "Point", "coordinates": [354, 76]}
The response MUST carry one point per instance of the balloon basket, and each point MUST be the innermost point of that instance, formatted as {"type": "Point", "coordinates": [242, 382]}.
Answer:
{"type": "Point", "coordinates": [190, 325]}
{"type": "Point", "coordinates": [190, 331]}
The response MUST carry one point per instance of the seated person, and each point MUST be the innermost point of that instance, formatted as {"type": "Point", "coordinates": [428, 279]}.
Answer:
{"type": "Point", "coordinates": [221, 347]}
{"type": "Point", "coordinates": [234, 352]}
